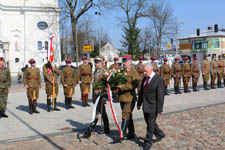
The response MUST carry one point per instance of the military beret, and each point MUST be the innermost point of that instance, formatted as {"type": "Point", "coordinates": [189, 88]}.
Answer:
{"type": "Point", "coordinates": [176, 59]}
{"type": "Point", "coordinates": [185, 58]}
{"type": "Point", "coordinates": [84, 58]}
{"type": "Point", "coordinates": [140, 58]}
{"type": "Point", "coordinates": [2, 59]}
{"type": "Point", "coordinates": [165, 59]}
{"type": "Point", "coordinates": [32, 61]}
{"type": "Point", "coordinates": [68, 61]}
{"type": "Point", "coordinates": [127, 58]}
{"type": "Point", "coordinates": [116, 58]}
{"type": "Point", "coordinates": [153, 58]}
{"type": "Point", "coordinates": [195, 58]}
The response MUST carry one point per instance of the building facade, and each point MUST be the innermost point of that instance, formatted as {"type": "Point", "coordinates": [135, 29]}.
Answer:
{"type": "Point", "coordinates": [210, 42]}
{"type": "Point", "coordinates": [109, 52]}
{"type": "Point", "coordinates": [25, 27]}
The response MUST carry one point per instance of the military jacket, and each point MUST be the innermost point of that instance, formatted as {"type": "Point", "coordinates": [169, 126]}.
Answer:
{"type": "Point", "coordinates": [205, 67]}
{"type": "Point", "coordinates": [32, 77]}
{"type": "Point", "coordinates": [68, 76]}
{"type": "Point", "coordinates": [165, 71]}
{"type": "Point", "coordinates": [176, 70]}
{"type": "Point", "coordinates": [186, 70]}
{"type": "Point", "coordinates": [50, 74]}
{"type": "Point", "coordinates": [155, 68]}
{"type": "Point", "coordinates": [5, 78]}
{"type": "Point", "coordinates": [195, 70]}
{"type": "Point", "coordinates": [213, 67]}
{"type": "Point", "coordinates": [98, 74]}
{"type": "Point", "coordinates": [127, 91]}
{"type": "Point", "coordinates": [84, 73]}
{"type": "Point", "coordinates": [115, 66]}
{"type": "Point", "coordinates": [220, 66]}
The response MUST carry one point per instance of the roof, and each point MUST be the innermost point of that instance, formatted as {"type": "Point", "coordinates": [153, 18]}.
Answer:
{"type": "Point", "coordinates": [208, 33]}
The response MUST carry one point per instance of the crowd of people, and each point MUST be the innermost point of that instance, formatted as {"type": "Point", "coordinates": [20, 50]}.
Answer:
{"type": "Point", "coordinates": [150, 81]}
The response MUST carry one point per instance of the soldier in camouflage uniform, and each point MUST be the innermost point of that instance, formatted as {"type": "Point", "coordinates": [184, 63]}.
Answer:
{"type": "Point", "coordinates": [220, 71]}
{"type": "Point", "coordinates": [213, 71]}
{"type": "Point", "coordinates": [195, 74]}
{"type": "Point", "coordinates": [116, 65]}
{"type": "Point", "coordinates": [176, 74]}
{"type": "Point", "coordinates": [154, 65]}
{"type": "Point", "coordinates": [165, 73]}
{"type": "Point", "coordinates": [98, 74]}
{"type": "Point", "coordinates": [69, 81]}
{"type": "Point", "coordinates": [205, 72]}
{"type": "Point", "coordinates": [5, 83]}
{"type": "Point", "coordinates": [32, 82]}
{"type": "Point", "coordinates": [127, 97]}
{"type": "Point", "coordinates": [186, 72]}
{"type": "Point", "coordinates": [140, 69]}
{"type": "Point", "coordinates": [51, 74]}
{"type": "Point", "coordinates": [84, 76]}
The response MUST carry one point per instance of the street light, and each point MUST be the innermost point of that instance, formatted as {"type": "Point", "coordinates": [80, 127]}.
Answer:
{"type": "Point", "coordinates": [177, 36]}
{"type": "Point", "coordinates": [99, 38]}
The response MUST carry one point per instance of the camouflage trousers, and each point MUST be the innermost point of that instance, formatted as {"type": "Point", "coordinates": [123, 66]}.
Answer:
{"type": "Point", "coordinates": [3, 99]}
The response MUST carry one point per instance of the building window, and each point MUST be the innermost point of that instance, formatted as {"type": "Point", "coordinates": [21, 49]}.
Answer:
{"type": "Point", "coordinates": [46, 45]}
{"type": "Point", "coordinates": [42, 25]}
{"type": "Point", "coordinates": [17, 60]}
{"type": "Point", "coordinates": [39, 45]}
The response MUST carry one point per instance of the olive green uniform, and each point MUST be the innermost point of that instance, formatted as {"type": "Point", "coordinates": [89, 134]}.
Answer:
{"type": "Point", "coordinates": [5, 83]}
{"type": "Point", "coordinates": [115, 66]}
{"type": "Point", "coordinates": [224, 72]}
{"type": "Point", "coordinates": [220, 73]}
{"type": "Point", "coordinates": [69, 81]}
{"type": "Point", "coordinates": [213, 72]}
{"type": "Point", "coordinates": [84, 75]}
{"type": "Point", "coordinates": [165, 73]}
{"type": "Point", "coordinates": [140, 70]}
{"type": "Point", "coordinates": [155, 68]}
{"type": "Point", "coordinates": [177, 74]}
{"type": "Point", "coordinates": [205, 73]}
{"type": "Point", "coordinates": [32, 79]}
{"type": "Point", "coordinates": [195, 75]}
{"type": "Point", "coordinates": [186, 72]}
{"type": "Point", "coordinates": [127, 99]}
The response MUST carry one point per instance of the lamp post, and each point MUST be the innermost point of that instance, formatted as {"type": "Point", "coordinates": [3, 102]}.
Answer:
{"type": "Point", "coordinates": [99, 38]}
{"type": "Point", "coordinates": [177, 36]}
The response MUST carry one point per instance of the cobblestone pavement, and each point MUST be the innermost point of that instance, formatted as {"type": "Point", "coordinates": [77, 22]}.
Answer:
{"type": "Point", "coordinates": [197, 129]}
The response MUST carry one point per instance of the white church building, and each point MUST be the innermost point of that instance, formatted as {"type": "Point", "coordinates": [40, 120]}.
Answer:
{"type": "Point", "coordinates": [25, 27]}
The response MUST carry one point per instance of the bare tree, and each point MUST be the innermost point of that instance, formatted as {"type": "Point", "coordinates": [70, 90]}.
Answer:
{"type": "Point", "coordinates": [163, 22]}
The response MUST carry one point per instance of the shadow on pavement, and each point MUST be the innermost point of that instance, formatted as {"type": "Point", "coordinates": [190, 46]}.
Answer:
{"type": "Point", "coordinates": [23, 108]}
{"type": "Point", "coordinates": [36, 131]}
{"type": "Point", "coordinates": [76, 125]}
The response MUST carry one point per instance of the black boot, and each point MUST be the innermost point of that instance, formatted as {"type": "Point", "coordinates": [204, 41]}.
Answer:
{"type": "Point", "coordinates": [175, 89]}
{"type": "Point", "coordinates": [206, 86]}
{"type": "Point", "coordinates": [124, 126]}
{"type": "Point", "coordinates": [3, 114]}
{"type": "Point", "coordinates": [55, 108]}
{"type": "Point", "coordinates": [48, 105]}
{"type": "Point", "coordinates": [166, 91]}
{"type": "Point", "coordinates": [70, 103]}
{"type": "Point", "coordinates": [87, 133]}
{"type": "Point", "coordinates": [106, 124]}
{"type": "Point", "coordinates": [34, 107]}
{"type": "Point", "coordinates": [219, 84]}
{"type": "Point", "coordinates": [178, 90]}
{"type": "Point", "coordinates": [86, 100]}
{"type": "Point", "coordinates": [131, 132]}
{"type": "Point", "coordinates": [30, 107]}
{"type": "Point", "coordinates": [188, 91]}
{"type": "Point", "coordinates": [67, 103]}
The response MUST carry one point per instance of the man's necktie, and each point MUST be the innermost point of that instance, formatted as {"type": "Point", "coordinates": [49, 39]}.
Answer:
{"type": "Point", "coordinates": [146, 82]}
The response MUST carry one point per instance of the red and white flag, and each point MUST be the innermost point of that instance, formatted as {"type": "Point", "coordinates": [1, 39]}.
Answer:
{"type": "Point", "coordinates": [50, 49]}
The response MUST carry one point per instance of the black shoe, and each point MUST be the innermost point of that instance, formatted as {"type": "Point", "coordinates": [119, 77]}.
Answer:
{"type": "Point", "coordinates": [56, 109]}
{"type": "Point", "coordinates": [131, 135]}
{"type": "Point", "coordinates": [70, 103]}
{"type": "Point", "coordinates": [83, 104]}
{"type": "Point", "coordinates": [35, 111]}
{"type": "Point", "coordinates": [147, 146]}
{"type": "Point", "coordinates": [4, 115]}
{"type": "Point", "coordinates": [106, 130]}
{"type": "Point", "coordinates": [158, 139]}
{"type": "Point", "coordinates": [48, 109]}
{"type": "Point", "coordinates": [87, 104]}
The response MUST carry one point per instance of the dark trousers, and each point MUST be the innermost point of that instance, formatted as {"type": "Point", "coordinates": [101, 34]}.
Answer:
{"type": "Point", "coordinates": [152, 127]}
{"type": "Point", "coordinates": [101, 110]}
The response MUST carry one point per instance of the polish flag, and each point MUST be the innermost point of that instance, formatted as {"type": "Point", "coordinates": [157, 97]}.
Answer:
{"type": "Point", "coordinates": [50, 49]}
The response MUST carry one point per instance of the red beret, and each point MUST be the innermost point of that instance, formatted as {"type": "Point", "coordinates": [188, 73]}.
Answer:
{"type": "Point", "coordinates": [140, 58]}
{"type": "Point", "coordinates": [195, 58]}
{"type": "Point", "coordinates": [84, 58]}
{"type": "Point", "coordinates": [126, 58]}
{"type": "Point", "coordinates": [2, 59]}
{"type": "Point", "coordinates": [153, 58]}
{"type": "Point", "coordinates": [176, 59]}
{"type": "Point", "coordinates": [32, 61]}
{"type": "Point", "coordinates": [165, 59]}
{"type": "Point", "coordinates": [68, 61]}
{"type": "Point", "coordinates": [185, 58]}
{"type": "Point", "coordinates": [116, 58]}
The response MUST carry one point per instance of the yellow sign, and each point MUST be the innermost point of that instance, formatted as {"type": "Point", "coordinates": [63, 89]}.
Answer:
{"type": "Point", "coordinates": [168, 46]}
{"type": "Point", "coordinates": [87, 48]}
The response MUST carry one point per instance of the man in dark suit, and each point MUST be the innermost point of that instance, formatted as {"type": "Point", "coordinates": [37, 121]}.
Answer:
{"type": "Point", "coordinates": [152, 96]}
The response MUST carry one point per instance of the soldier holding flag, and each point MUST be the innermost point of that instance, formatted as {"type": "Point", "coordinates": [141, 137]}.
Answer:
{"type": "Point", "coordinates": [32, 82]}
